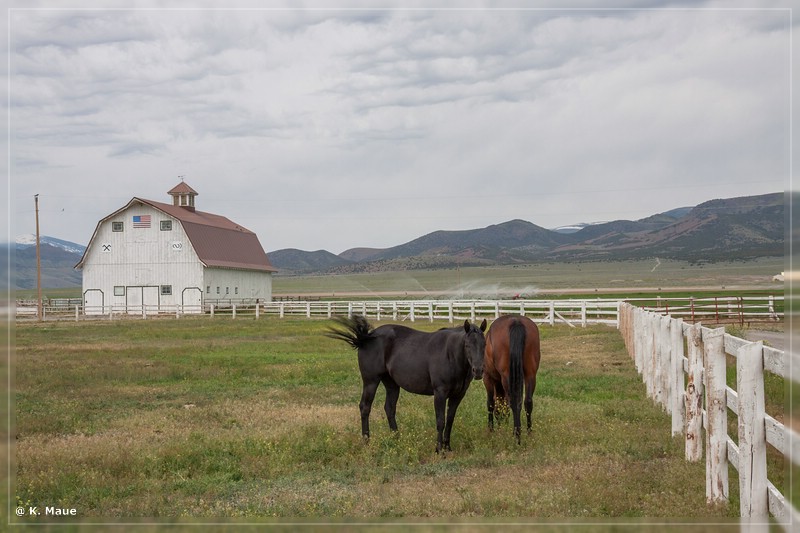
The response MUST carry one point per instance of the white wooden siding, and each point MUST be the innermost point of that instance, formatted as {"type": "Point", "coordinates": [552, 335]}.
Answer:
{"type": "Point", "coordinates": [240, 284]}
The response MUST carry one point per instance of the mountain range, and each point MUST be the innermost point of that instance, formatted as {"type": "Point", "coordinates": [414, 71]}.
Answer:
{"type": "Point", "coordinates": [741, 228]}
{"type": "Point", "coordinates": [734, 228]}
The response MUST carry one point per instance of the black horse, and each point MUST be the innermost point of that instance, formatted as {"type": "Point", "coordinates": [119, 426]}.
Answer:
{"type": "Point", "coordinates": [441, 364]}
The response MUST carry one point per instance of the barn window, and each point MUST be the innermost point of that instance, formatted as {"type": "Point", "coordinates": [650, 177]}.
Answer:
{"type": "Point", "coordinates": [117, 226]}
{"type": "Point", "coordinates": [119, 290]}
{"type": "Point", "coordinates": [166, 290]}
{"type": "Point", "coordinates": [227, 290]}
{"type": "Point", "coordinates": [166, 225]}
{"type": "Point", "coordinates": [208, 289]}
{"type": "Point", "coordinates": [217, 289]}
{"type": "Point", "coordinates": [236, 290]}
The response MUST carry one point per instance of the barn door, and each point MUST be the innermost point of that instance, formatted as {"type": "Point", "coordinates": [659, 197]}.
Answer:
{"type": "Point", "coordinates": [93, 302]}
{"type": "Point", "coordinates": [142, 300]}
{"type": "Point", "coordinates": [192, 300]}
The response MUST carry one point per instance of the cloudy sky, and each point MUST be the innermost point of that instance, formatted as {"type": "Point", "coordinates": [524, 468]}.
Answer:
{"type": "Point", "coordinates": [336, 128]}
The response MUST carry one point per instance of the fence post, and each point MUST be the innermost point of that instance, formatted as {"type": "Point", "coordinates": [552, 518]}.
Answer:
{"type": "Point", "coordinates": [257, 312]}
{"type": "Point", "coordinates": [282, 309]}
{"type": "Point", "coordinates": [233, 311]}
{"type": "Point", "coordinates": [430, 310]}
{"type": "Point", "coordinates": [212, 310]}
{"type": "Point", "coordinates": [716, 411]}
{"type": "Point", "coordinates": [412, 312]}
{"type": "Point", "coordinates": [450, 311]}
{"type": "Point", "coordinates": [676, 377]}
{"type": "Point", "coordinates": [76, 313]}
{"type": "Point", "coordinates": [693, 399]}
{"type": "Point", "coordinates": [664, 363]}
{"type": "Point", "coordinates": [647, 342]}
{"type": "Point", "coordinates": [308, 310]}
{"type": "Point", "coordinates": [655, 362]}
{"type": "Point", "coordinates": [394, 310]}
{"type": "Point", "coordinates": [552, 312]}
{"type": "Point", "coordinates": [638, 339]}
{"type": "Point", "coordinates": [752, 467]}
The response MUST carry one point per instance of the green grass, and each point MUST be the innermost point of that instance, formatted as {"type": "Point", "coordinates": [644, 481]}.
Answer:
{"type": "Point", "coordinates": [224, 419]}
{"type": "Point", "coordinates": [545, 279]}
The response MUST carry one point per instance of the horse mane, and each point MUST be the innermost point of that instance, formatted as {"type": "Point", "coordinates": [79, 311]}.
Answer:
{"type": "Point", "coordinates": [357, 331]}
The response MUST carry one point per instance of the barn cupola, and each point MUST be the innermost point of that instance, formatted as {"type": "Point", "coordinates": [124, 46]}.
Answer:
{"type": "Point", "coordinates": [183, 196]}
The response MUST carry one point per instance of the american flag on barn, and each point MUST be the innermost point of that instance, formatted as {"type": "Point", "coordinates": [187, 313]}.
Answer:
{"type": "Point", "coordinates": [141, 221]}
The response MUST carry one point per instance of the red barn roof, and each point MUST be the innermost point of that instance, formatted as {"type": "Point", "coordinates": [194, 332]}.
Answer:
{"type": "Point", "coordinates": [218, 241]}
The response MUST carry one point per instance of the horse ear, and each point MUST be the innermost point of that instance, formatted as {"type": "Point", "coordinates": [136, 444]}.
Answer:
{"type": "Point", "coordinates": [483, 325]}
{"type": "Point", "coordinates": [467, 326]}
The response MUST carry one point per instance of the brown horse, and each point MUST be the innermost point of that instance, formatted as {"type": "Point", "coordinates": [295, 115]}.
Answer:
{"type": "Point", "coordinates": [511, 360]}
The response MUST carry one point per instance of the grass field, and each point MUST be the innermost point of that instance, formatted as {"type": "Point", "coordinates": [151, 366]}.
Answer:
{"type": "Point", "coordinates": [536, 280]}
{"type": "Point", "coordinates": [210, 420]}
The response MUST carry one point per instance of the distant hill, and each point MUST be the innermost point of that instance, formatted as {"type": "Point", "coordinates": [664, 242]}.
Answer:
{"type": "Point", "coordinates": [293, 261]}
{"type": "Point", "coordinates": [740, 228]}
{"type": "Point", "coordinates": [58, 259]}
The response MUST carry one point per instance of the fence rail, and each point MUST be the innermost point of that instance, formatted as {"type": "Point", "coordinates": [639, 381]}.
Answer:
{"type": "Point", "coordinates": [657, 343]}
{"type": "Point", "coordinates": [719, 310]}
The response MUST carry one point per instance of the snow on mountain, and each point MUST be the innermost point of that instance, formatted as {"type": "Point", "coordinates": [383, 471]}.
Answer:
{"type": "Point", "coordinates": [29, 239]}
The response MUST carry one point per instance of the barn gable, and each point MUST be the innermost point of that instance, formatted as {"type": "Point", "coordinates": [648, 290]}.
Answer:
{"type": "Point", "coordinates": [218, 241]}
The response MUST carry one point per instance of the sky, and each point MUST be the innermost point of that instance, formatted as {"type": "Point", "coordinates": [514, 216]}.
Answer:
{"type": "Point", "coordinates": [360, 127]}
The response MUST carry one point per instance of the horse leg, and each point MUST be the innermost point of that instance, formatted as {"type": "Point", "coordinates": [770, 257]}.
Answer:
{"type": "Point", "coordinates": [489, 400]}
{"type": "Point", "coordinates": [529, 388]}
{"type": "Point", "coordinates": [439, 404]}
{"type": "Point", "coordinates": [515, 410]}
{"type": "Point", "coordinates": [452, 406]}
{"type": "Point", "coordinates": [390, 406]}
{"type": "Point", "coordinates": [367, 395]}
{"type": "Point", "coordinates": [514, 406]}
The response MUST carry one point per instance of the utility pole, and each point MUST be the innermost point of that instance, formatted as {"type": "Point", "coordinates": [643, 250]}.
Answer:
{"type": "Point", "coordinates": [38, 264]}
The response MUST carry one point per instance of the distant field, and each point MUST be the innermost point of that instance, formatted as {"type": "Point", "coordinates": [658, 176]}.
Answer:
{"type": "Point", "coordinates": [596, 278]}
{"type": "Point", "coordinates": [533, 280]}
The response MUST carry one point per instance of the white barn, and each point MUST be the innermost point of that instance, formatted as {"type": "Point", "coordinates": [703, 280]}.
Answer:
{"type": "Point", "coordinates": [155, 257]}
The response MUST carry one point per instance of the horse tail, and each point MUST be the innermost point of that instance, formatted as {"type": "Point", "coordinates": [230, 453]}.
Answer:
{"type": "Point", "coordinates": [357, 331]}
{"type": "Point", "coordinates": [516, 349]}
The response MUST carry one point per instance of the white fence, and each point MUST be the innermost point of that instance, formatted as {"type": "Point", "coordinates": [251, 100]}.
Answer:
{"type": "Point", "coordinates": [657, 344]}
{"type": "Point", "coordinates": [581, 312]}
{"type": "Point", "coordinates": [572, 312]}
